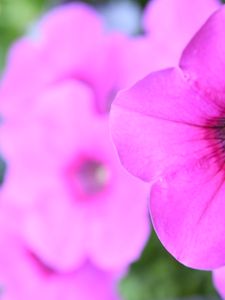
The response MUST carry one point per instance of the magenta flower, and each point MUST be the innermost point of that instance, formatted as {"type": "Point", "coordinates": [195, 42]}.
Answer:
{"type": "Point", "coordinates": [169, 131]}
{"type": "Point", "coordinates": [23, 275]}
{"type": "Point", "coordinates": [58, 49]}
{"type": "Point", "coordinates": [65, 180]}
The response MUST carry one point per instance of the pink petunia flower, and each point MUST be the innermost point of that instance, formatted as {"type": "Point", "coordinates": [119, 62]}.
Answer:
{"type": "Point", "coordinates": [169, 130]}
{"type": "Point", "coordinates": [23, 275]}
{"type": "Point", "coordinates": [65, 180]}
{"type": "Point", "coordinates": [70, 41]}
{"type": "Point", "coordinates": [63, 173]}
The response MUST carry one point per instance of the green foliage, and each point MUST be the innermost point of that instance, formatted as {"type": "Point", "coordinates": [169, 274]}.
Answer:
{"type": "Point", "coordinates": [15, 19]}
{"type": "Point", "coordinates": [157, 276]}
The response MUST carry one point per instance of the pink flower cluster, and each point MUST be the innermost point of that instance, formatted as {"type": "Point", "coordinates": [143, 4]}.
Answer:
{"type": "Point", "coordinates": [72, 219]}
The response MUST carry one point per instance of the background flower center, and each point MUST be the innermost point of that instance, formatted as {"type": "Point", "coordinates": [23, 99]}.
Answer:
{"type": "Point", "coordinates": [92, 176]}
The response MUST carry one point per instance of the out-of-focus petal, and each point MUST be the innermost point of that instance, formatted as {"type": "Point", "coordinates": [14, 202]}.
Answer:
{"type": "Point", "coordinates": [174, 22]}
{"type": "Point", "coordinates": [59, 113]}
{"type": "Point", "coordinates": [112, 216]}
{"type": "Point", "coordinates": [56, 229]}
{"type": "Point", "coordinates": [140, 56]}
{"type": "Point", "coordinates": [23, 275]}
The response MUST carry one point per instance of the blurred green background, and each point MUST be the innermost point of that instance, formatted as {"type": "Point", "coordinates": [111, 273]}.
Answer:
{"type": "Point", "coordinates": [156, 276]}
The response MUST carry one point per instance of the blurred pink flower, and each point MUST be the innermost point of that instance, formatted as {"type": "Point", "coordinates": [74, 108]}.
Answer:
{"type": "Point", "coordinates": [57, 48]}
{"type": "Point", "coordinates": [69, 42]}
{"type": "Point", "coordinates": [169, 130]}
{"type": "Point", "coordinates": [75, 199]}
{"type": "Point", "coordinates": [24, 276]}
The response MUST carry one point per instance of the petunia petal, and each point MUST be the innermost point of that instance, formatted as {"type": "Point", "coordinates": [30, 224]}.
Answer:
{"type": "Point", "coordinates": [23, 275]}
{"type": "Point", "coordinates": [135, 66]}
{"type": "Point", "coordinates": [153, 124]}
{"type": "Point", "coordinates": [187, 210]}
{"type": "Point", "coordinates": [55, 229]}
{"type": "Point", "coordinates": [203, 59]}
{"type": "Point", "coordinates": [218, 277]}
{"type": "Point", "coordinates": [174, 22]}
{"type": "Point", "coordinates": [112, 215]}
{"type": "Point", "coordinates": [52, 121]}
{"type": "Point", "coordinates": [91, 46]}
{"type": "Point", "coordinates": [54, 60]}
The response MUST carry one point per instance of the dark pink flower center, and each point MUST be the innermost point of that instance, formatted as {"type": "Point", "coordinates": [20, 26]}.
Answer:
{"type": "Point", "coordinates": [220, 131]}
{"type": "Point", "coordinates": [92, 176]}
{"type": "Point", "coordinates": [215, 135]}
{"type": "Point", "coordinates": [88, 177]}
